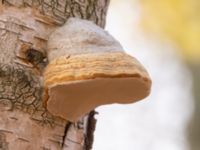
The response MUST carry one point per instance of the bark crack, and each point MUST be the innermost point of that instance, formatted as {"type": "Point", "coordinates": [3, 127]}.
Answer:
{"type": "Point", "coordinates": [89, 138]}
{"type": "Point", "coordinates": [68, 124]}
{"type": "Point", "coordinates": [61, 10]}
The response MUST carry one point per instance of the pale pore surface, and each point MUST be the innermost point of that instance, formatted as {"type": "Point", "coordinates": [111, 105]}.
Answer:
{"type": "Point", "coordinates": [73, 99]}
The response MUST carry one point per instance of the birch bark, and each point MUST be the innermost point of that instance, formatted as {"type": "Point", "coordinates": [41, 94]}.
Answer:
{"type": "Point", "coordinates": [25, 26]}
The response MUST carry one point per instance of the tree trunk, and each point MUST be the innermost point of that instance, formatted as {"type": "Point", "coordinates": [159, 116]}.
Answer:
{"type": "Point", "coordinates": [25, 26]}
{"type": "Point", "coordinates": [193, 128]}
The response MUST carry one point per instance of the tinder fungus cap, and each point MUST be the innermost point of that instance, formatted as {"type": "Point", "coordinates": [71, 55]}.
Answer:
{"type": "Point", "coordinates": [89, 68]}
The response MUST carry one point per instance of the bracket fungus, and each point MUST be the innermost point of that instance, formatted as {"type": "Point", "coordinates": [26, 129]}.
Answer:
{"type": "Point", "coordinates": [88, 68]}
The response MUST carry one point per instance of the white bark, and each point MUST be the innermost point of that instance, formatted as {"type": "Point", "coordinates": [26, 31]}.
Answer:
{"type": "Point", "coordinates": [24, 29]}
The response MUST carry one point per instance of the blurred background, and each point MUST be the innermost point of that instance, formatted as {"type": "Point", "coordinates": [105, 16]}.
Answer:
{"type": "Point", "coordinates": [165, 37]}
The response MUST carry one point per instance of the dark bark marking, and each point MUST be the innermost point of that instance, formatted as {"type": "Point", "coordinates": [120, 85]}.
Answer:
{"type": "Point", "coordinates": [44, 148]}
{"type": "Point", "coordinates": [89, 137]}
{"type": "Point", "coordinates": [24, 140]}
{"type": "Point", "coordinates": [55, 141]}
{"type": "Point", "coordinates": [61, 10]}
{"type": "Point", "coordinates": [14, 118]}
{"type": "Point", "coordinates": [6, 131]}
{"type": "Point", "coordinates": [3, 142]}
{"type": "Point", "coordinates": [65, 133]}
{"type": "Point", "coordinates": [19, 89]}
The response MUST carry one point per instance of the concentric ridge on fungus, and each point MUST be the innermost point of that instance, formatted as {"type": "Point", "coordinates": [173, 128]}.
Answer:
{"type": "Point", "coordinates": [91, 66]}
{"type": "Point", "coordinates": [88, 68]}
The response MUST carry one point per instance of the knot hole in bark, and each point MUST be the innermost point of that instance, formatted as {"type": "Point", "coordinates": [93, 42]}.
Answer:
{"type": "Point", "coordinates": [33, 58]}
